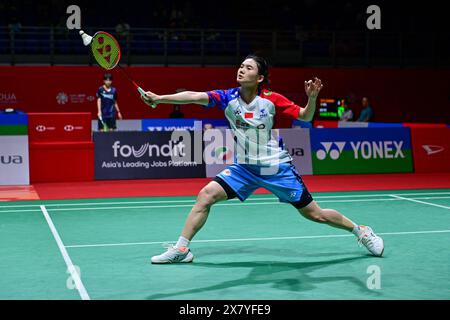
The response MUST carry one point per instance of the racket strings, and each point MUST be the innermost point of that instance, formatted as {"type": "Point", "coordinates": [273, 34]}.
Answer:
{"type": "Point", "coordinates": [105, 50]}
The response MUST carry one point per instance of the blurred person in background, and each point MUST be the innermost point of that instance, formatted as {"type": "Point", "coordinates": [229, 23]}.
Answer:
{"type": "Point", "coordinates": [123, 30]}
{"type": "Point", "coordinates": [176, 113]}
{"type": "Point", "coordinates": [107, 105]}
{"type": "Point", "coordinates": [347, 115]}
{"type": "Point", "coordinates": [367, 111]}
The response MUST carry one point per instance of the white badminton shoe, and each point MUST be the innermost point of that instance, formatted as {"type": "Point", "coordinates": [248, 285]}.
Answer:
{"type": "Point", "coordinates": [371, 241]}
{"type": "Point", "coordinates": [174, 255]}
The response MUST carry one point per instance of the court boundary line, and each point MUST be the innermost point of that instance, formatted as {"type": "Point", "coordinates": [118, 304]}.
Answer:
{"type": "Point", "coordinates": [193, 200]}
{"type": "Point", "coordinates": [62, 248]}
{"type": "Point", "coordinates": [252, 239]}
{"type": "Point", "coordinates": [393, 198]}
{"type": "Point", "coordinates": [421, 202]}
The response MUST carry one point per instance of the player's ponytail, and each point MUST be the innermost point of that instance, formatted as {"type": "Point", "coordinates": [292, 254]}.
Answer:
{"type": "Point", "coordinates": [263, 68]}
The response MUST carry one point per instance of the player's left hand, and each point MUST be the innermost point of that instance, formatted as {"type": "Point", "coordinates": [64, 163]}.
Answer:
{"type": "Point", "coordinates": [119, 115]}
{"type": "Point", "coordinates": [312, 88]}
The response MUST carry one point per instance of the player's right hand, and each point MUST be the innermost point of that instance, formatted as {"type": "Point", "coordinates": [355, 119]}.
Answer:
{"type": "Point", "coordinates": [150, 99]}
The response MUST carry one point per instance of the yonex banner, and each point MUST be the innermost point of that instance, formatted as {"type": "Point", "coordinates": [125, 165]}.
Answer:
{"type": "Point", "coordinates": [14, 160]}
{"type": "Point", "coordinates": [368, 150]}
{"type": "Point", "coordinates": [142, 155]}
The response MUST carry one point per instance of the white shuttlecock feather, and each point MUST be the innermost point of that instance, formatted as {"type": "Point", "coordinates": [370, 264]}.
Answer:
{"type": "Point", "coordinates": [87, 39]}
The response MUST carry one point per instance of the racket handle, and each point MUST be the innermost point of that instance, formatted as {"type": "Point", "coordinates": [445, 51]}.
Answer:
{"type": "Point", "coordinates": [142, 92]}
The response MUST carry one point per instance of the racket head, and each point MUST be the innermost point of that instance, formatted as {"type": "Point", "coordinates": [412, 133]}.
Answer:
{"type": "Point", "coordinates": [105, 50]}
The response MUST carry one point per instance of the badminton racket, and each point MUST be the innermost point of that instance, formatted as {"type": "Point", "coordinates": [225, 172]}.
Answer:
{"type": "Point", "coordinates": [106, 52]}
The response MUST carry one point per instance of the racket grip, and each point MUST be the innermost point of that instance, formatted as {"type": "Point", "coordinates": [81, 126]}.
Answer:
{"type": "Point", "coordinates": [142, 92]}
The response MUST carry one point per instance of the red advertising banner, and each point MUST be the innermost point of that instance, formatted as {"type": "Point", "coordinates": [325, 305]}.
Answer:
{"type": "Point", "coordinates": [431, 149]}
{"type": "Point", "coordinates": [61, 162]}
{"type": "Point", "coordinates": [59, 127]}
{"type": "Point", "coordinates": [73, 89]}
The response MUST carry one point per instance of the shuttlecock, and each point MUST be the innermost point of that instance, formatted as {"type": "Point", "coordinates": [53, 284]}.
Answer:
{"type": "Point", "coordinates": [87, 39]}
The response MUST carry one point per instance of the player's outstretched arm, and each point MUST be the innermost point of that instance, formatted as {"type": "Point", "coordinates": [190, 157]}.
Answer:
{"type": "Point", "coordinates": [312, 89]}
{"type": "Point", "coordinates": [185, 97]}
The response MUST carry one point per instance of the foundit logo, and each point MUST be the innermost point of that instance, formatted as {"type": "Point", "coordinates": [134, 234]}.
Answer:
{"type": "Point", "coordinates": [171, 149]}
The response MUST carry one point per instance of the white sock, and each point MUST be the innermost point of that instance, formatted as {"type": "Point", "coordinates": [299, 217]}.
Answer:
{"type": "Point", "coordinates": [182, 242]}
{"type": "Point", "coordinates": [356, 230]}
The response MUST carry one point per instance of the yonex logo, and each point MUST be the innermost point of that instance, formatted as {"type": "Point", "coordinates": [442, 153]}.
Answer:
{"type": "Point", "coordinates": [430, 149]}
{"type": "Point", "coordinates": [334, 153]}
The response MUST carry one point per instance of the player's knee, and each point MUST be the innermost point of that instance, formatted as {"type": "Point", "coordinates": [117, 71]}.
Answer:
{"type": "Point", "coordinates": [207, 196]}
{"type": "Point", "coordinates": [317, 216]}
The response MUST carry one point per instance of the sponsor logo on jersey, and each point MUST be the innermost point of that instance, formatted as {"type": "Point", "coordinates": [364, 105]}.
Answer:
{"type": "Point", "coordinates": [267, 93]}
{"type": "Point", "coordinates": [261, 126]}
{"type": "Point", "coordinates": [263, 113]}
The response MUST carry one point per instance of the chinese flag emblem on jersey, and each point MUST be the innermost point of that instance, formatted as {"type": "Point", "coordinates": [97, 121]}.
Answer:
{"type": "Point", "coordinates": [248, 115]}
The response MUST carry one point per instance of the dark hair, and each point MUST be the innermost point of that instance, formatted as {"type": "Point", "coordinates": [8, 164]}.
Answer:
{"type": "Point", "coordinates": [263, 67]}
{"type": "Point", "coordinates": [107, 76]}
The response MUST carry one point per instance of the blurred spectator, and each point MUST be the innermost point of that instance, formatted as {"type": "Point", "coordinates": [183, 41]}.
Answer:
{"type": "Point", "coordinates": [176, 113]}
{"type": "Point", "coordinates": [367, 111]}
{"type": "Point", "coordinates": [15, 26]}
{"type": "Point", "coordinates": [123, 30]}
{"type": "Point", "coordinates": [347, 115]}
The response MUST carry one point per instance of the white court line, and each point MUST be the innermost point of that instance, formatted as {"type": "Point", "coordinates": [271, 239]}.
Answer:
{"type": "Point", "coordinates": [193, 200]}
{"type": "Point", "coordinates": [220, 204]}
{"type": "Point", "coordinates": [74, 274]}
{"type": "Point", "coordinates": [251, 239]}
{"type": "Point", "coordinates": [422, 202]}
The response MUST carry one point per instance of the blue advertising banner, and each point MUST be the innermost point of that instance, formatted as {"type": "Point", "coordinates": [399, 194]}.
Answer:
{"type": "Point", "coordinates": [171, 124]}
{"type": "Point", "coordinates": [142, 155]}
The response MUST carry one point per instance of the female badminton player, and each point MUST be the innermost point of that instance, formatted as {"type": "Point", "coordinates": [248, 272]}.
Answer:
{"type": "Point", "coordinates": [251, 106]}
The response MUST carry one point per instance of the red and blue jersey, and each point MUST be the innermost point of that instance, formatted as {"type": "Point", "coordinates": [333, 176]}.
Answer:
{"type": "Point", "coordinates": [252, 123]}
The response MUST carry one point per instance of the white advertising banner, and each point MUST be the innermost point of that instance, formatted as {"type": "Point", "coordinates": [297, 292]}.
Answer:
{"type": "Point", "coordinates": [14, 162]}
{"type": "Point", "coordinates": [219, 153]}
